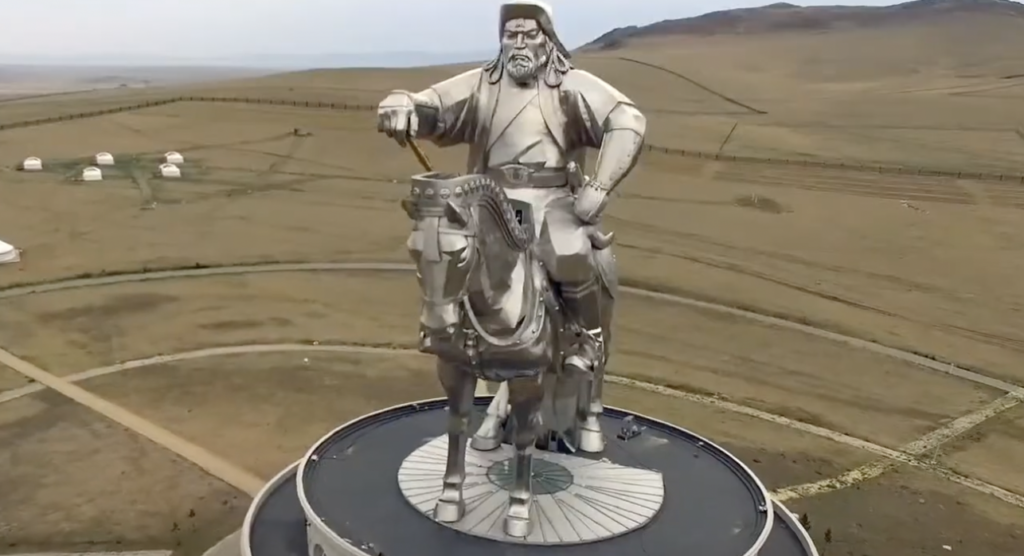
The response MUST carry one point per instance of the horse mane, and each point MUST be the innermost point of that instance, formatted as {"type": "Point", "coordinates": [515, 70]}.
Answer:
{"type": "Point", "coordinates": [492, 198]}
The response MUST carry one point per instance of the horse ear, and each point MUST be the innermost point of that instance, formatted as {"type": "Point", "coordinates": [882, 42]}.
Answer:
{"type": "Point", "coordinates": [456, 215]}
{"type": "Point", "coordinates": [409, 207]}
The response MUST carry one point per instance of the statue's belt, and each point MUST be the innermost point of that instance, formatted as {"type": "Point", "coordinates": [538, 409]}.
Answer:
{"type": "Point", "coordinates": [525, 177]}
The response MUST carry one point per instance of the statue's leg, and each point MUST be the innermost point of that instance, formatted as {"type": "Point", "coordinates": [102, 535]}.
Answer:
{"type": "Point", "coordinates": [488, 437]}
{"type": "Point", "coordinates": [591, 403]}
{"type": "Point", "coordinates": [559, 411]}
{"type": "Point", "coordinates": [565, 246]}
{"type": "Point", "coordinates": [608, 296]}
{"type": "Point", "coordinates": [589, 437]}
{"type": "Point", "coordinates": [572, 263]}
{"type": "Point", "coordinates": [459, 385]}
{"type": "Point", "coordinates": [526, 396]}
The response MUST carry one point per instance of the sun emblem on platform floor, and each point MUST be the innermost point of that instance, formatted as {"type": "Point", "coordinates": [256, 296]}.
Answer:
{"type": "Point", "coordinates": [576, 500]}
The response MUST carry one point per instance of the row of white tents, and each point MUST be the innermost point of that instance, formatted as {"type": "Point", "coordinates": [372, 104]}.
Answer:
{"type": "Point", "coordinates": [95, 173]}
{"type": "Point", "coordinates": [169, 168]}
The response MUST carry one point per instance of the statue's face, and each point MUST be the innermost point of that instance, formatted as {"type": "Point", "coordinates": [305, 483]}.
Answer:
{"type": "Point", "coordinates": [524, 46]}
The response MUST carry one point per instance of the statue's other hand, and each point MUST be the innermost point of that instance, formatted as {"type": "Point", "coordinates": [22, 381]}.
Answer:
{"type": "Point", "coordinates": [396, 117]}
{"type": "Point", "coordinates": [591, 201]}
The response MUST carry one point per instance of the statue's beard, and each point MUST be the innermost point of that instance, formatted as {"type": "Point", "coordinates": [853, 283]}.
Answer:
{"type": "Point", "coordinates": [521, 67]}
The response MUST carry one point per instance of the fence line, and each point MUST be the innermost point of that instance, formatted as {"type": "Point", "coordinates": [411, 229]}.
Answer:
{"type": "Point", "coordinates": [351, 107]}
{"type": "Point", "coordinates": [836, 165]}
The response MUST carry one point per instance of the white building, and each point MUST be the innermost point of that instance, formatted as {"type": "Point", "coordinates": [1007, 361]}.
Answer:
{"type": "Point", "coordinates": [104, 159]}
{"type": "Point", "coordinates": [32, 164]}
{"type": "Point", "coordinates": [174, 158]}
{"type": "Point", "coordinates": [92, 173]}
{"type": "Point", "coordinates": [8, 254]}
{"type": "Point", "coordinates": [169, 171]}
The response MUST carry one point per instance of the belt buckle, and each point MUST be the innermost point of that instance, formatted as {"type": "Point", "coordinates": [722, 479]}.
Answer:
{"type": "Point", "coordinates": [517, 174]}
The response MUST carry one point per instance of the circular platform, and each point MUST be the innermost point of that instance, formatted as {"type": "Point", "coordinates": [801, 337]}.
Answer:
{"type": "Point", "coordinates": [576, 499]}
{"type": "Point", "coordinates": [348, 486]}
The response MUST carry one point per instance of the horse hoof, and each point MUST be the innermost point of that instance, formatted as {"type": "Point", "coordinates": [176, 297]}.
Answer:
{"type": "Point", "coordinates": [591, 441]}
{"type": "Point", "coordinates": [517, 527]}
{"type": "Point", "coordinates": [485, 443]}
{"type": "Point", "coordinates": [449, 512]}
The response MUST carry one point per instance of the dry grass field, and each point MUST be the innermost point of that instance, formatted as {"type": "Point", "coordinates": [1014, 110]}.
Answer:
{"type": "Point", "coordinates": [921, 264]}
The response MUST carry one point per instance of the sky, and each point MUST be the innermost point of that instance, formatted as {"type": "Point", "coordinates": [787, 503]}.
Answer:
{"type": "Point", "coordinates": [209, 31]}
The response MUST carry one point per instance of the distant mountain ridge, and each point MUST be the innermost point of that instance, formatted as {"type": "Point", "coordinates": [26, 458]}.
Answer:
{"type": "Point", "coordinates": [783, 17]}
{"type": "Point", "coordinates": [284, 62]}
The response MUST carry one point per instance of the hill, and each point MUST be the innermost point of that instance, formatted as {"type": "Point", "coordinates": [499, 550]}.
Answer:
{"type": "Point", "coordinates": [785, 17]}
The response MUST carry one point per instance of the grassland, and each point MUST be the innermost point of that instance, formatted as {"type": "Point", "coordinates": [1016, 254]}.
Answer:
{"type": "Point", "coordinates": [926, 264]}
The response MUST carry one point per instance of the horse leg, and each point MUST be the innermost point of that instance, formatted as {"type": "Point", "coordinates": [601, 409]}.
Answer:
{"type": "Point", "coordinates": [590, 439]}
{"type": "Point", "coordinates": [459, 386]}
{"type": "Point", "coordinates": [526, 397]}
{"type": "Point", "coordinates": [489, 436]}
{"type": "Point", "coordinates": [591, 404]}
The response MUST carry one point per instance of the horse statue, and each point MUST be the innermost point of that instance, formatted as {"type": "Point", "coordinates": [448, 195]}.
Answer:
{"type": "Point", "coordinates": [490, 312]}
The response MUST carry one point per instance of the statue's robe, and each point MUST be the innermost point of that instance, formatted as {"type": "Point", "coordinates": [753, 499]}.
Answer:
{"type": "Point", "coordinates": [466, 108]}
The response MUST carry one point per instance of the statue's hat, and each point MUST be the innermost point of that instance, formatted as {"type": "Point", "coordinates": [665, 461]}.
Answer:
{"type": "Point", "coordinates": [536, 10]}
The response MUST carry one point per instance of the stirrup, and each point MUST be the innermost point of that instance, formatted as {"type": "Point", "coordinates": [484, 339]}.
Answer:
{"type": "Point", "coordinates": [576, 360]}
{"type": "Point", "coordinates": [596, 334]}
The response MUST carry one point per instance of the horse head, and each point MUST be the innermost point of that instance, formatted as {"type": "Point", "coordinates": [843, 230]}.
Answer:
{"type": "Point", "coordinates": [452, 216]}
{"type": "Point", "coordinates": [443, 246]}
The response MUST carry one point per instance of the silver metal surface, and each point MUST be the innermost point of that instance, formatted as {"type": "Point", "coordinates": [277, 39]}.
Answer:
{"type": "Point", "coordinates": [320, 532]}
{"type": "Point", "coordinates": [791, 519]}
{"type": "Point", "coordinates": [257, 503]}
{"type": "Point", "coordinates": [576, 500]}
{"type": "Point", "coordinates": [526, 305]}
{"type": "Point", "coordinates": [489, 312]}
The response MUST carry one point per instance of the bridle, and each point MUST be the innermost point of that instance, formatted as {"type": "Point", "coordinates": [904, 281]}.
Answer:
{"type": "Point", "coordinates": [528, 326]}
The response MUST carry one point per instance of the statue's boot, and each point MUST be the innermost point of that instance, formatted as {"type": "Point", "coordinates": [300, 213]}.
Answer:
{"type": "Point", "coordinates": [583, 302]}
{"type": "Point", "coordinates": [588, 355]}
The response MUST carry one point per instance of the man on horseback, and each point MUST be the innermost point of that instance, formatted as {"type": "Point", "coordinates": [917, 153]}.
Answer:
{"type": "Point", "coordinates": [528, 117]}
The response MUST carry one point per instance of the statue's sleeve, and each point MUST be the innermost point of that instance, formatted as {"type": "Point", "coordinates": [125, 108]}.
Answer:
{"type": "Point", "coordinates": [447, 110]}
{"type": "Point", "coordinates": [601, 117]}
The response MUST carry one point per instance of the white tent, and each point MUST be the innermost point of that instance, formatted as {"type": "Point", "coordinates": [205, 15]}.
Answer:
{"type": "Point", "coordinates": [170, 171]}
{"type": "Point", "coordinates": [92, 173]}
{"type": "Point", "coordinates": [104, 159]}
{"type": "Point", "coordinates": [8, 254]}
{"type": "Point", "coordinates": [32, 164]}
{"type": "Point", "coordinates": [174, 158]}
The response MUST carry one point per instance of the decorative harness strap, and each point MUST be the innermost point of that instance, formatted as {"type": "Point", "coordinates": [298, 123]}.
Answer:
{"type": "Point", "coordinates": [527, 329]}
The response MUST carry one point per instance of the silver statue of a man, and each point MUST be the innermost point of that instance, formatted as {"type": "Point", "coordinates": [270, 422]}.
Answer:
{"type": "Point", "coordinates": [528, 117]}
